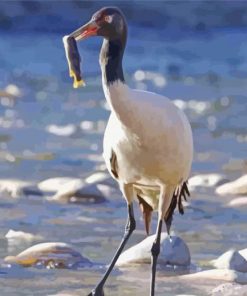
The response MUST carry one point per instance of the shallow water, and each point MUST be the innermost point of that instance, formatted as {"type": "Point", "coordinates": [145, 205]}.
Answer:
{"type": "Point", "coordinates": [200, 72]}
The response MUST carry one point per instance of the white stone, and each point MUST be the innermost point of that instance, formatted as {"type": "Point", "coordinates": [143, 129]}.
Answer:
{"type": "Point", "coordinates": [231, 259]}
{"type": "Point", "coordinates": [237, 187]}
{"type": "Point", "coordinates": [52, 185]}
{"type": "Point", "coordinates": [51, 255]}
{"type": "Point", "coordinates": [227, 275]}
{"type": "Point", "coordinates": [20, 235]}
{"type": "Point", "coordinates": [101, 178]}
{"type": "Point", "coordinates": [230, 289]}
{"type": "Point", "coordinates": [206, 180]}
{"type": "Point", "coordinates": [16, 188]}
{"type": "Point", "coordinates": [238, 202]}
{"type": "Point", "coordinates": [76, 189]}
{"type": "Point", "coordinates": [243, 253]}
{"type": "Point", "coordinates": [172, 252]}
{"type": "Point", "coordinates": [13, 90]}
{"type": "Point", "coordinates": [61, 130]}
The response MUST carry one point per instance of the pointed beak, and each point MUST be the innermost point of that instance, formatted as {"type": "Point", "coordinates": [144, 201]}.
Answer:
{"type": "Point", "coordinates": [89, 29]}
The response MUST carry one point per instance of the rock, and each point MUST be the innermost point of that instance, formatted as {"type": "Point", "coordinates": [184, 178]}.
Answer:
{"type": "Point", "coordinates": [232, 259]}
{"type": "Point", "coordinates": [227, 275]}
{"type": "Point", "coordinates": [17, 188]}
{"type": "Point", "coordinates": [172, 252]}
{"type": "Point", "coordinates": [50, 255]}
{"type": "Point", "coordinates": [230, 289]}
{"type": "Point", "coordinates": [13, 235]}
{"type": "Point", "coordinates": [61, 130]}
{"type": "Point", "coordinates": [13, 90]}
{"type": "Point", "coordinates": [238, 202]}
{"type": "Point", "coordinates": [206, 180]}
{"type": "Point", "coordinates": [76, 190]}
{"type": "Point", "coordinates": [52, 185]}
{"type": "Point", "coordinates": [101, 178]}
{"type": "Point", "coordinates": [243, 253]}
{"type": "Point", "coordinates": [237, 187]}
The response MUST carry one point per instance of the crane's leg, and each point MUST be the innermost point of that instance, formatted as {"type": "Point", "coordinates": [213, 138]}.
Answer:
{"type": "Point", "coordinates": [129, 228]}
{"type": "Point", "coordinates": [166, 194]}
{"type": "Point", "coordinates": [155, 253]}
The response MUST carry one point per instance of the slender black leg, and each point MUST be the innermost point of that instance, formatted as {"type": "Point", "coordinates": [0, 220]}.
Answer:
{"type": "Point", "coordinates": [155, 253]}
{"type": "Point", "coordinates": [129, 228]}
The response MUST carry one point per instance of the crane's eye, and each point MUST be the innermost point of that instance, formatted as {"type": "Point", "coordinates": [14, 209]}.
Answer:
{"type": "Point", "coordinates": [108, 18]}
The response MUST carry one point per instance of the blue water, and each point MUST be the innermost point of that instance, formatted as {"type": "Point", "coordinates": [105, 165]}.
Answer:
{"type": "Point", "coordinates": [204, 72]}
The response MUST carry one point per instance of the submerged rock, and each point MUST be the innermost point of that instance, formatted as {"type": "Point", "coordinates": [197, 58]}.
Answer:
{"type": "Point", "coordinates": [173, 251]}
{"type": "Point", "coordinates": [49, 255]}
{"type": "Point", "coordinates": [77, 190]}
{"type": "Point", "coordinates": [232, 259]}
{"type": "Point", "coordinates": [230, 289]}
{"type": "Point", "coordinates": [17, 188]}
{"type": "Point", "coordinates": [237, 187]}
{"type": "Point", "coordinates": [227, 275]}
{"type": "Point", "coordinates": [206, 180]}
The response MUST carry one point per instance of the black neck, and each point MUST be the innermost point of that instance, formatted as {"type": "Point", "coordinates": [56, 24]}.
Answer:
{"type": "Point", "coordinates": [111, 57]}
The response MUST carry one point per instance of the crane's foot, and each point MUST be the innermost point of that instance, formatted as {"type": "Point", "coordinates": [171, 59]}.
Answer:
{"type": "Point", "coordinates": [98, 291]}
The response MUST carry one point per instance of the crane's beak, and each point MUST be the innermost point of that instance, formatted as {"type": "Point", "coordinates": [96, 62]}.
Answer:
{"type": "Point", "coordinates": [89, 29]}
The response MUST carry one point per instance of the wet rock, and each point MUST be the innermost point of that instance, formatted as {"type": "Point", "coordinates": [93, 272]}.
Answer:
{"type": "Point", "coordinates": [104, 182]}
{"type": "Point", "coordinates": [172, 252]}
{"type": "Point", "coordinates": [13, 235]}
{"type": "Point", "coordinates": [232, 259]}
{"type": "Point", "coordinates": [50, 255]}
{"type": "Point", "coordinates": [243, 253]}
{"type": "Point", "coordinates": [206, 180]}
{"type": "Point", "coordinates": [238, 202]}
{"type": "Point", "coordinates": [230, 289]}
{"type": "Point", "coordinates": [76, 190]}
{"type": "Point", "coordinates": [101, 178]}
{"type": "Point", "coordinates": [61, 130]}
{"type": "Point", "coordinates": [52, 185]}
{"type": "Point", "coordinates": [17, 188]}
{"type": "Point", "coordinates": [13, 90]}
{"type": "Point", "coordinates": [227, 275]}
{"type": "Point", "coordinates": [237, 187]}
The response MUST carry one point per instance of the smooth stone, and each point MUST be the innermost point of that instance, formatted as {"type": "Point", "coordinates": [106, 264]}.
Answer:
{"type": "Point", "coordinates": [52, 185]}
{"type": "Point", "coordinates": [17, 188]}
{"type": "Point", "coordinates": [230, 289]}
{"type": "Point", "coordinates": [238, 202]}
{"type": "Point", "coordinates": [206, 180]}
{"type": "Point", "coordinates": [231, 259]}
{"type": "Point", "coordinates": [101, 178]}
{"type": "Point", "coordinates": [227, 275]}
{"type": "Point", "coordinates": [50, 255]}
{"type": "Point", "coordinates": [61, 130]}
{"type": "Point", "coordinates": [237, 187]}
{"type": "Point", "coordinates": [243, 253]}
{"type": "Point", "coordinates": [172, 252]}
{"type": "Point", "coordinates": [13, 90]}
{"type": "Point", "coordinates": [13, 235]}
{"type": "Point", "coordinates": [76, 190]}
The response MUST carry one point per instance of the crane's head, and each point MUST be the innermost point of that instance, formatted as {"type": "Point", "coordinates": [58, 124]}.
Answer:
{"type": "Point", "coordinates": [107, 22]}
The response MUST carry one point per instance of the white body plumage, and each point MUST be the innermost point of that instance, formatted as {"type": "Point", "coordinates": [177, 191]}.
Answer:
{"type": "Point", "coordinates": [151, 139]}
